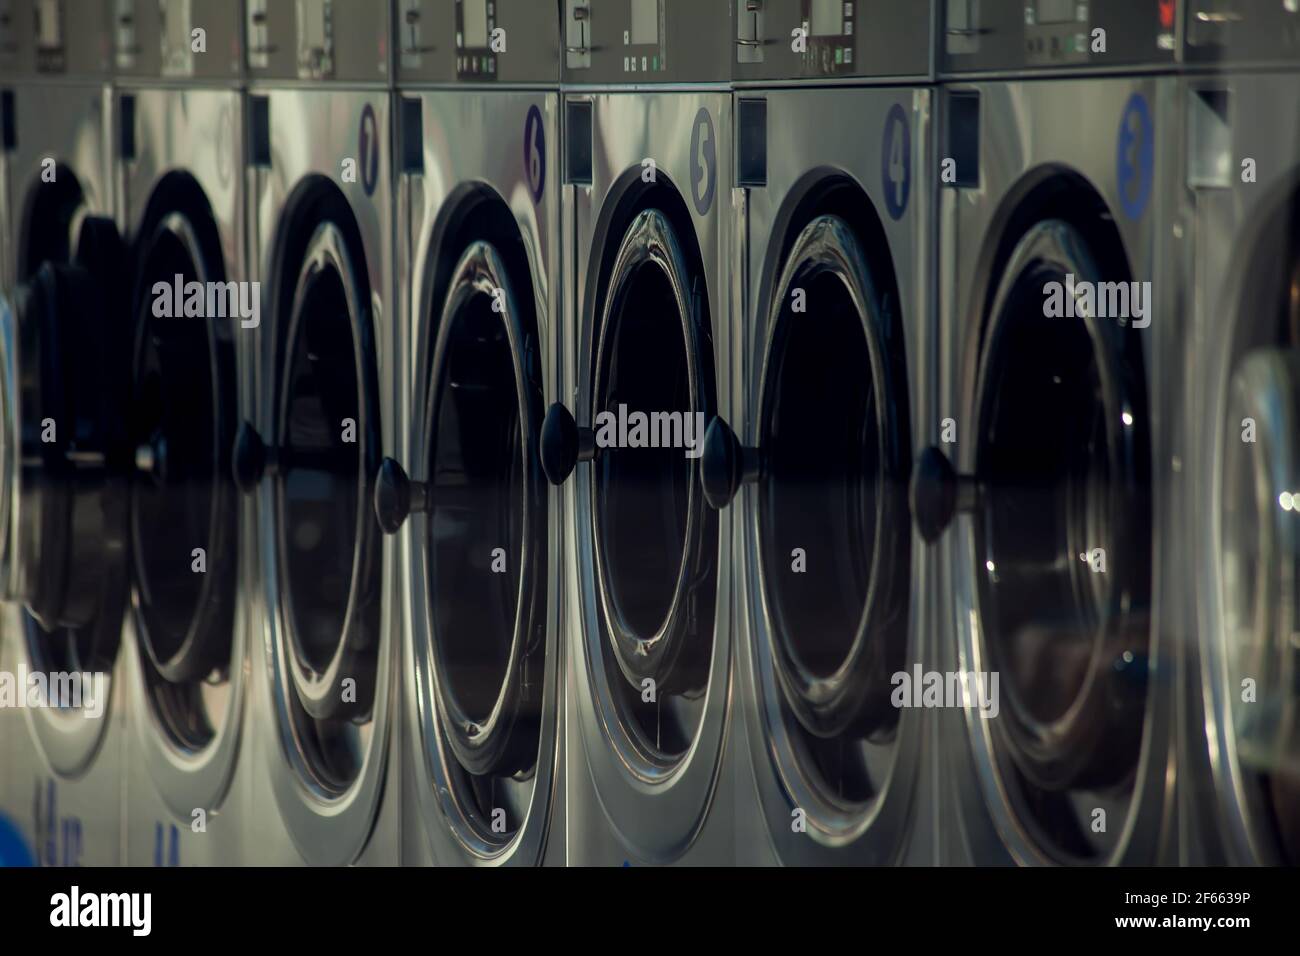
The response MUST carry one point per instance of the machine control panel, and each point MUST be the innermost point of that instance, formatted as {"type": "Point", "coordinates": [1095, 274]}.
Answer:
{"type": "Point", "coordinates": [646, 41]}
{"type": "Point", "coordinates": [1057, 31]}
{"type": "Point", "coordinates": [50, 27]}
{"type": "Point", "coordinates": [326, 40]}
{"type": "Point", "coordinates": [177, 38]}
{"type": "Point", "coordinates": [1242, 31]}
{"type": "Point", "coordinates": [9, 45]}
{"type": "Point", "coordinates": [1014, 35]}
{"type": "Point", "coordinates": [800, 39]}
{"type": "Point", "coordinates": [53, 37]}
{"type": "Point", "coordinates": [315, 39]}
{"type": "Point", "coordinates": [478, 41]}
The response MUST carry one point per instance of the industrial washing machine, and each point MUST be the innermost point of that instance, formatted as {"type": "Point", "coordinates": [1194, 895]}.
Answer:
{"type": "Point", "coordinates": [1047, 486]}
{"type": "Point", "coordinates": [324, 692]}
{"type": "Point", "coordinates": [833, 227]}
{"type": "Point", "coordinates": [1242, 800]}
{"type": "Point", "coordinates": [478, 315]}
{"type": "Point", "coordinates": [62, 329]}
{"type": "Point", "coordinates": [178, 141]}
{"type": "Point", "coordinates": [646, 339]}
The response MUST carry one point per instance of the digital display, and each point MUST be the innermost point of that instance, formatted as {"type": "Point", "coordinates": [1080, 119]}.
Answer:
{"type": "Point", "coordinates": [312, 28]}
{"type": "Point", "coordinates": [645, 22]}
{"type": "Point", "coordinates": [1055, 11]}
{"type": "Point", "coordinates": [474, 24]}
{"type": "Point", "coordinates": [827, 18]}
{"type": "Point", "coordinates": [49, 36]}
{"type": "Point", "coordinates": [177, 17]}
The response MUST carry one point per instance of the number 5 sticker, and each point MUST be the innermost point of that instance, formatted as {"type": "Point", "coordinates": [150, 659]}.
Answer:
{"type": "Point", "coordinates": [896, 162]}
{"type": "Point", "coordinates": [704, 162]}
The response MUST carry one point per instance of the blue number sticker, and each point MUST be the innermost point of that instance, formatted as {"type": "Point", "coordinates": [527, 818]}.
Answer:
{"type": "Point", "coordinates": [896, 162]}
{"type": "Point", "coordinates": [1135, 157]}
{"type": "Point", "coordinates": [535, 153]}
{"type": "Point", "coordinates": [59, 837]}
{"type": "Point", "coordinates": [368, 150]}
{"type": "Point", "coordinates": [164, 853]}
{"type": "Point", "coordinates": [704, 161]}
{"type": "Point", "coordinates": [14, 850]}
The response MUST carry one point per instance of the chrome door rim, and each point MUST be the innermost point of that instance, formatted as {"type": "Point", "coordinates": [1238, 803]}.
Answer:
{"type": "Point", "coordinates": [327, 250]}
{"type": "Point", "coordinates": [480, 271]}
{"type": "Point", "coordinates": [878, 827]}
{"type": "Point", "coordinates": [1020, 840]}
{"type": "Point", "coordinates": [649, 242]}
{"type": "Point", "coordinates": [657, 808]}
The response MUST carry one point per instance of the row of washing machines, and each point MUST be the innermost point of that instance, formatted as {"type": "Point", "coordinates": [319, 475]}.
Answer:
{"type": "Point", "coordinates": [365, 584]}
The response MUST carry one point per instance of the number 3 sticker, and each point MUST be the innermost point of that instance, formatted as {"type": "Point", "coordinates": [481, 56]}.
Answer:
{"type": "Point", "coordinates": [896, 162]}
{"type": "Point", "coordinates": [1135, 156]}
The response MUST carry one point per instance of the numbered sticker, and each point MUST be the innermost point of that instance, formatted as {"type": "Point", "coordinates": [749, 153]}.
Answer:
{"type": "Point", "coordinates": [166, 845]}
{"type": "Point", "coordinates": [60, 837]}
{"type": "Point", "coordinates": [704, 162]}
{"type": "Point", "coordinates": [535, 153]}
{"type": "Point", "coordinates": [896, 162]}
{"type": "Point", "coordinates": [1135, 157]}
{"type": "Point", "coordinates": [368, 150]}
{"type": "Point", "coordinates": [13, 848]}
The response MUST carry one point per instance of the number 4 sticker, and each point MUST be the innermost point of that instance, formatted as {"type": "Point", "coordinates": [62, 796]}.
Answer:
{"type": "Point", "coordinates": [896, 162]}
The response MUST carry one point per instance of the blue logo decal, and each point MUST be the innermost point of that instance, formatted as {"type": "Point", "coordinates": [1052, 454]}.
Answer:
{"type": "Point", "coordinates": [535, 153]}
{"type": "Point", "coordinates": [1135, 157]}
{"type": "Point", "coordinates": [896, 162]}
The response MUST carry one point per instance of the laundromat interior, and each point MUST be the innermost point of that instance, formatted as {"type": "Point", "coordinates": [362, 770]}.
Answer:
{"type": "Point", "coordinates": [583, 433]}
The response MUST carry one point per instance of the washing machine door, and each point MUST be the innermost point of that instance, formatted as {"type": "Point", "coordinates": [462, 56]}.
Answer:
{"type": "Point", "coordinates": [487, 526]}
{"type": "Point", "coordinates": [1062, 522]}
{"type": "Point", "coordinates": [480, 550]}
{"type": "Point", "coordinates": [326, 445]}
{"type": "Point", "coordinates": [655, 539]}
{"type": "Point", "coordinates": [1258, 526]}
{"type": "Point", "coordinates": [182, 426]}
{"type": "Point", "coordinates": [833, 444]}
{"type": "Point", "coordinates": [64, 473]}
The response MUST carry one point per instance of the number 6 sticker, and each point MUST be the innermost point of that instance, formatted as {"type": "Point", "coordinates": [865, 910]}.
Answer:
{"type": "Point", "coordinates": [896, 162]}
{"type": "Point", "coordinates": [535, 153]}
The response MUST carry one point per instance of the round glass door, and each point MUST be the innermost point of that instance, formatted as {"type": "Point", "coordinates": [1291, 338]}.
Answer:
{"type": "Point", "coordinates": [655, 540]}
{"type": "Point", "coordinates": [64, 396]}
{"type": "Point", "coordinates": [1062, 537]}
{"type": "Point", "coordinates": [184, 514]}
{"type": "Point", "coordinates": [327, 443]}
{"type": "Point", "coordinates": [1255, 522]}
